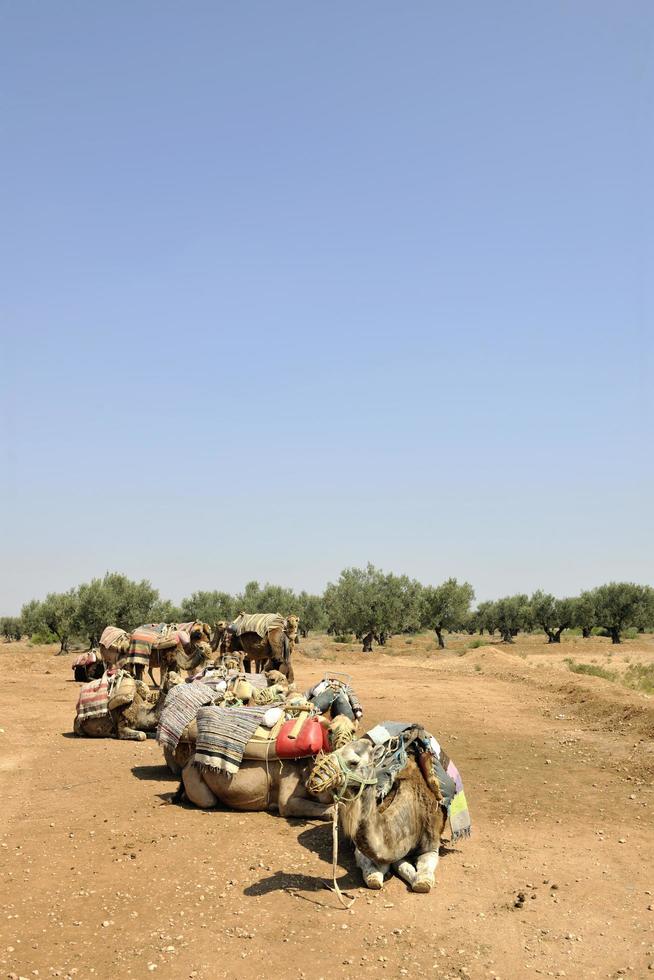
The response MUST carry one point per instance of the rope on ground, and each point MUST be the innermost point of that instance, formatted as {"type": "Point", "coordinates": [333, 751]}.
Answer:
{"type": "Point", "coordinates": [335, 887]}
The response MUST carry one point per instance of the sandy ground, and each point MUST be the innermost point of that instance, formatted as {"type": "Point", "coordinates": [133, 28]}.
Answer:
{"type": "Point", "coordinates": [99, 879]}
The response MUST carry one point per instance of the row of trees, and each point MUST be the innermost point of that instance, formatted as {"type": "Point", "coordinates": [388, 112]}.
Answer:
{"type": "Point", "coordinates": [364, 602]}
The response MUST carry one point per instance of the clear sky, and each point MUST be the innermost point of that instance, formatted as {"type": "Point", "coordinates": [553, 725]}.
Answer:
{"type": "Point", "coordinates": [291, 286]}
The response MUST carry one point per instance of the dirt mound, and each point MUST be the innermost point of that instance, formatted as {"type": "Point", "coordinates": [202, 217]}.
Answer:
{"type": "Point", "coordinates": [489, 655]}
{"type": "Point", "coordinates": [606, 705]}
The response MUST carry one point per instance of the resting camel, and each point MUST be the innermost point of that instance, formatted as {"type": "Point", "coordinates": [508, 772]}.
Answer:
{"type": "Point", "coordinates": [177, 758]}
{"type": "Point", "coordinates": [270, 652]}
{"type": "Point", "coordinates": [132, 719]}
{"type": "Point", "coordinates": [402, 832]}
{"type": "Point", "coordinates": [265, 785]}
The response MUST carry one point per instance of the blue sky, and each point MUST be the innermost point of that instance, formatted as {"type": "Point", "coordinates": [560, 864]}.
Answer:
{"type": "Point", "coordinates": [289, 287]}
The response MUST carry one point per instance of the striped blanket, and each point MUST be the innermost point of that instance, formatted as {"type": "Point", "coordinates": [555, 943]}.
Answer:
{"type": "Point", "coordinates": [152, 636]}
{"type": "Point", "coordinates": [449, 779]}
{"type": "Point", "coordinates": [223, 734]}
{"type": "Point", "coordinates": [259, 623]}
{"type": "Point", "coordinates": [93, 698]}
{"type": "Point", "coordinates": [111, 635]}
{"type": "Point", "coordinates": [180, 708]}
{"type": "Point", "coordinates": [85, 659]}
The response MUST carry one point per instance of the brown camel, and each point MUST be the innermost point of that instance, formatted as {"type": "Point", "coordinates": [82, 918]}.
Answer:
{"type": "Point", "coordinates": [402, 832]}
{"type": "Point", "coordinates": [270, 652]}
{"type": "Point", "coordinates": [170, 655]}
{"type": "Point", "coordinates": [264, 785]}
{"type": "Point", "coordinates": [131, 720]}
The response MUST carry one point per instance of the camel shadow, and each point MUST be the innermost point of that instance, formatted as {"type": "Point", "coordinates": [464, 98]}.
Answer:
{"type": "Point", "coordinates": [69, 735]}
{"type": "Point", "coordinates": [156, 773]}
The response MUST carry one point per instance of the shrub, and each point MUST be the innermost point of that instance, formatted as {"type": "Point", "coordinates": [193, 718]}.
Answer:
{"type": "Point", "coordinates": [41, 637]}
{"type": "Point", "coordinates": [475, 644]}
{"type": "Point", "coordinates": [343, 638]}
{"type": "Point", "coordinates": [590, 669]}
{"type": "Point", "coordinates": [640, 677]}
{"type": "Point", "coordinates": [630, 634]}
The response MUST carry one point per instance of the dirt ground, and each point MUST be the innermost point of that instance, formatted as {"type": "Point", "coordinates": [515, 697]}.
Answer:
{"type": "Point", "coordinates": [99, 879]}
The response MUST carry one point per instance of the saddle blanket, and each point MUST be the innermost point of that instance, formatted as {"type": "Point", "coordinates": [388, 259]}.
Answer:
{"type": "Point", "coordinates": [93, 698]}
{"type": "Point", "coordinates": [260, 623]}
{"type": "Point", "coordinates": [152, 636]}
{"type": "Point", "coordinates": [85, 659]}
{"type": "Point", "coordinates": [111, 635]}
{"type": "Point", "coordinates": [180, 708]}
{"type": "Point", "coordinates": [223, 734]}
{"type": "Point", "coordinates": [449, 779]}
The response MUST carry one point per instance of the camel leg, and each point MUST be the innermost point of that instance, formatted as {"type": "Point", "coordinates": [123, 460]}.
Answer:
{"type": "Point", "coordinates": [292, 803]}
{"type": "Point", "coordinates": [425, 871]}
{"type": "Point", "coordinates": [373, 874]}
{"type": "Point", "coordinates": [196, 789]}
{"type": "Point", "coordinates": [406, 871]}
{"type": "Point", "coordinates": [123, 730]}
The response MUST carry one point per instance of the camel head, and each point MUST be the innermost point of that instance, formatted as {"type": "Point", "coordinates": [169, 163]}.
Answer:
{"type": "Point", "coordinates": [219, 630]}
{"type": "Point", "coordinates": [345, 771]}
{"type": "Point", "coordinates": [172, 680]}
{"type": "Point", "coordinates": [292, 623]}
{"type": "Point", "coordinates": [341, 732]}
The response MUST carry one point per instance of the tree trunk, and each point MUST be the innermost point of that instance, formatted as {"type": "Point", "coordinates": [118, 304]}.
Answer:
{"type": "Point", "coordinates": [382, 639]}
{"type": "Point", "coordinates": [367, 642]}
{"type": "Point", "coordinates": [615, 634]}
{"type": "Point", "coordinates": [585, 632]}
{"type": "Point", "coordinates": [439, 637]}
{"type": "Point", "coordinates": [557, 635]}
{"type": "Point", "coordinates": [550, 635]}
{"type": "Point", "coordinates": [506, 636]}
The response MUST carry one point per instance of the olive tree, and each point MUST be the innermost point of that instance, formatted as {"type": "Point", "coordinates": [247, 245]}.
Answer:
{"type": "Point", "coordinates": [446, 606]}
{"type": "Point", "coordinates": [11, 627]}
{"type": "Point", "coordinates": [584, 613]}
{"type": "Point", "coordinates": [619, 605]}
{"type": "Point", "coordinates": [311, 610]}
{"type": "Point", "coordinates": [60, 614]}
{"type": "Point", "coordinates": [551, 614]}
{"type": "Point", "coordinates": [208, 607]}
{"type": "Point", "coordinates": [512, 614]}
{"type": "Point", "coordinates": [371, 604]}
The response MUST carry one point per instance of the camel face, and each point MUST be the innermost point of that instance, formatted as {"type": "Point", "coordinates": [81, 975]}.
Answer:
{"type": "Point", "coordinates": [357, 755]}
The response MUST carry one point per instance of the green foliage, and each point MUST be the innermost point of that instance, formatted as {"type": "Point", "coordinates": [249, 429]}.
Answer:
{"type": "Point", "coordinates": [475, 644]}
{"type": "Point", "coordinates": [266, 599]}
{"type": "Point", "coordinates": [117, 601]}
{"type": "Point", "coordinates": [512, 614]}
{"type": "Point", "coordinates": [343, 638]}
{"type": "Point", "coordinates": [619, 605]}
{"type": "Point", "coordinates": [60, 614]}
{"type": "Point", "coordinates": [207, 607]}
{"type": "Point", "coordinates": [365, 601]}
{"type": "Point", "coordinates": [551, 614]}
{"type": "Point", "coordinates": [311, 610]}
{"type": "Point", "coordinates": [640, 677]}
{"type": "Point", "coordinates": [11, 627]}
{"type": "Point", "coordinates": [42, 637]}
{"type": "Point", "coordinates": [591, 669]}
{"type": "Point", "coordinates": [446, 606]}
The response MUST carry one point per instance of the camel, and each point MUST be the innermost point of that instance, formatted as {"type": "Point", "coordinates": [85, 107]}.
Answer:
{"type": "Point", "coordinates": [403, 831]}
{"type": "Point", "coordinates": [115, 649]}
{"type": "Point", "coordinates": [132, 719]}
{"type": "Point", "coordinates": [276, 785]}
{"type": "Point", "coordinates": [270, 652]}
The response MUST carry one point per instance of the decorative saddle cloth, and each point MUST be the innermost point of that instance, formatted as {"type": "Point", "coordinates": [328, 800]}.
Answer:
{"type": "Point", "coordinates": [260, 623]}
{"type": "Point", "coordinates": [401, 737]}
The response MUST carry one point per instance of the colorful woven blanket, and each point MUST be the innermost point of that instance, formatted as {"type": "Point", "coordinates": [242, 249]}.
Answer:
{"type": "Point", "coordinates": [111, 635]}
{"type": "Point", "coordinates": [223, 734]}
{"type": "Point", "coordinates": [180, 708]}
{"type": "Point", "coordinates": [85, 659]}
{"type": "Point", "coordinates": [394, 735]}
{"type": "Point", "coordinates": [259, 623]}
{"type": "Point", "coordinates": [93, 698]}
